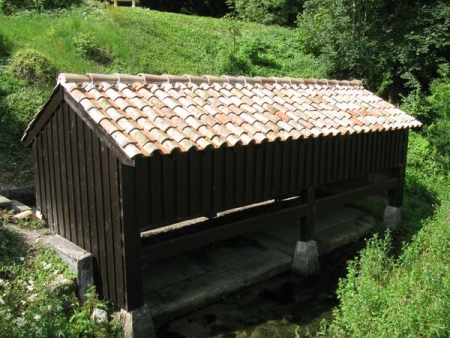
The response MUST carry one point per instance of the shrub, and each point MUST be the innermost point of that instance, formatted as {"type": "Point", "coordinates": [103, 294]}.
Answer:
{"type": "Point", "coordinates": [32, 66]}
{"type": "Point", "coordinates": [86, 47]}
{"type": "Point", "coordinates": [12, 6]}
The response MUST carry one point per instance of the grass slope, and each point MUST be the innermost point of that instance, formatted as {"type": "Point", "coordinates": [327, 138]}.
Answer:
{"type": "Point", "coordinates": [103, 39]}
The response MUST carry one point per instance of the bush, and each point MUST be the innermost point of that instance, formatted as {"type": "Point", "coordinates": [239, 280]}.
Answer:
{"type": "Point", "coordinates": [10, 7]}
{"type": "Point", "coordinates": [32, 66]}
{"type": "Point", "coordinates": [408, 297]}
{"type": "Point", "coordinates": [86, 47]}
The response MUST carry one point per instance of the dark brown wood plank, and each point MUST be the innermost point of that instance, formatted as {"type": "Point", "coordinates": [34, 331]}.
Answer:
{"type": "Point", "coordinates": [370, 155]}
{"type": "Point", "coordinates": [307, 220]}
{"type": "Point", "coordinates": [156, 190]}
{"type": "Point", "coordinates": [268, 170]}
{"type": "Point", "coordinates": [90, 186]}
{"type": "Point", "coordinates": [354, 155]}
{"type": "Point", "coordinates": [277, 169]}
{"type": "Point", "coordinates": [363, 140]}
{"type": "Point", "coordinates": [207, 183]}
{"type": "Point", "coordinates": [195, 183]}
{"type": "Point", "coordinates": [294, 167]}
{"type": "Point", "coordinates": [134, 295]}
{"type": "Point", "coordinates": [330, 163]}
{"type": "Point", "coordinates": [99, 210]}
{"type": "Point", "coordinates": [302, 163]}
{"type": "Point", "coordinates": [309, 176]}
{"type": "Point", "coordinates": [218, 178]}
{"type": "Point", "coordinates": [48, 179]}
{"type": "Point", "coordinates": [144, 203]}
{"type": "Point", "coordinates": [119, 272]}
{"type": "Point", "coordinates": [286, 167]}
{"type": "Point", "coordinates": [240, 175]}
{"type": "Point", "coordinates": [83, 185]}
{"type": "Point", "coordinates": [359, 154]}
{"type": "Point", "coordinates": [342, 151]}
{"type": "Point", "coordinates": [259, 172]}
{"type": "Point", "coordinates": [63, 135]}
{"type": "Point", "coordinates": [58, 203]}
{"type": "Point", "coordinates": [230, 178]}
{"type": "Point", "coordinates": [169, 193]}
{"type": "Point", "coordinates": [77, 212]}
{"type": "Point", "coordinates": [335, 158]}
{"type": "Point", "coordinates": [250, 157]}
{"type": "Point", "coordinates": [38, 169]}
{"type": "Point", "coordinates": [182, 185]}
{"type": "Point", "coordinates": [108, 223]}
{"type": "Point", "coordinates": [323, 160]}
{"type": "Point", "coordinates": [316, 161]}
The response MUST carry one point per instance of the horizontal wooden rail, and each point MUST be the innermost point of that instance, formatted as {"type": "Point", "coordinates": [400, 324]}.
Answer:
{"type": "Point", "coordinates": [168, 244]}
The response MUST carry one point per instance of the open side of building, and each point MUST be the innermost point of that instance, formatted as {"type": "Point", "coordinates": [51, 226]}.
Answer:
{"type": "Point", "coordinates": [119, 159]}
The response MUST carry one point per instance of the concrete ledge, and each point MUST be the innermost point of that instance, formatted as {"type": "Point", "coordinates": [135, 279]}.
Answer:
{"type": "Point", "coordinates": [77, 259]}
{"type": "Point", "coordinates": [19, 207]}
{"type": "Point", "coordinates": [5, 203]}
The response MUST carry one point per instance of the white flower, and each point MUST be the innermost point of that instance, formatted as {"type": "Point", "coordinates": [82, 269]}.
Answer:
{"type": "Point", "coordinates": [22, 259]}
{"type": "Point", "coordinates": [55, 272]}
{"type": "Point", "coordinates": [19, 321]}
{"type": "Point", "coordinates": [37, 317]}
{"type": "Point", "coordinates": [48, 266]}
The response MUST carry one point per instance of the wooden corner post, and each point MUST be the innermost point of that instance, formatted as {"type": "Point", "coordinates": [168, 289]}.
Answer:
{"type": "Point", "coordinates": [133, 293]}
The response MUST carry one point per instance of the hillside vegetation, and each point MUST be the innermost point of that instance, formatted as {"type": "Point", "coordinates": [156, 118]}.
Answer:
{"type": "Point", "coordinates": [36, 46]}
{"type": "Point", "coordinates": [399, 285]}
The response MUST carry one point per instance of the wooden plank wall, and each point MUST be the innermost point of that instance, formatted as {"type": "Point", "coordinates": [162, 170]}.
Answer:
{"type": "Point", "coordinates": [188, 185]}
{"type": "Point", "coordinates": [78, 182]}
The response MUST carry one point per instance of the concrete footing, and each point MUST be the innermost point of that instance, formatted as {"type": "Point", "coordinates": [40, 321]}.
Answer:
{"type": "Point", "coordinates": [137, 323]}
{"type": "Point", "coordinates": [306, 258]}
{"type": "Point", "coordinates": [78, 260]}
{"type": "Point", "coordinates": [392, 217]}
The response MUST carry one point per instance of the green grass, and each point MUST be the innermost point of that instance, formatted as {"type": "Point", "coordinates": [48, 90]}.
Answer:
{"type": "Point", "coordinates": [399, 286]}
{"type": "Point", "coordinates": [31, 303]}
{"type": "Point", "coordinates": [103, 39]}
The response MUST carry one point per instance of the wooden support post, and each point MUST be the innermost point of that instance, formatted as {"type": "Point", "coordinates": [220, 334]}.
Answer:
{"type": "Point", "coordinates": [307, 221]}
{"type": "Point", "coordinates": [134, 292]}
{"type": "Point", "coordinates": [396, 194]}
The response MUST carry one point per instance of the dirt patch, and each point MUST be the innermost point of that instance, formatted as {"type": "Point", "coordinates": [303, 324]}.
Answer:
{"type": "Point", "coordinates": [280, 307]}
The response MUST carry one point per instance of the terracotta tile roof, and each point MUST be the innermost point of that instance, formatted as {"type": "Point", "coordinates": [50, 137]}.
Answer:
{"type": "Point", "coordinates": [165, 113]}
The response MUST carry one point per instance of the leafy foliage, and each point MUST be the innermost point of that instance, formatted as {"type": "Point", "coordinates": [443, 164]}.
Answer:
{"type": "Point", "coordinates": [13, 6]}
{"type": "Point", "coordinates": [378, 41]}
{"type": "Point", "coordinates": [31, 66]}
{"type": "Point", "coordinates": [37, 294]}
{"type": "Point", "coordinates": [268, 12]}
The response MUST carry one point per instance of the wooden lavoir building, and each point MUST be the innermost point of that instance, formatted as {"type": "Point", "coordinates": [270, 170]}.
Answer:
{"type": "Point", "coordinates": [118, 156]}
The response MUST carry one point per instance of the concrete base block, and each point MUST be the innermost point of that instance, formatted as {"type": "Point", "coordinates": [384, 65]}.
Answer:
{"type": "Point", "coordinates": [392, 217]}
{"type": "Point", "coordinates": [306, 258]}
{"type": "Point", "coordinates": [138, 323]}
{"type": "Point", "coordinates": [79, 261]}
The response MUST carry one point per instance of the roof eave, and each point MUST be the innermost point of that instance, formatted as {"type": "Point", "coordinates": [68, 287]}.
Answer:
{"type": "Point", "coordinates": [41, 118]}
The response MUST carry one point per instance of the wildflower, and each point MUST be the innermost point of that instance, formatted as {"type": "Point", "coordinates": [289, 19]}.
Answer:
{"type": "Point", "coordinates": [19, 321]}
{"type": "Point", "coordinates": [37, 317]}
{"type": "Point", "coordinates": [55, 272]}
{"type": "Point", "coordinates": [47, 266]}
{"type": "Point", "coordinates": [22, 259]}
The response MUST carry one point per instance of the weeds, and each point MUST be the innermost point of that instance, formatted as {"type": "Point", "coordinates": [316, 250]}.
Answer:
{"type": "Point", "coordinates": [37, 293]}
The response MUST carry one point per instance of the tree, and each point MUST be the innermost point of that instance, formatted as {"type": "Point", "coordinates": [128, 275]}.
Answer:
{"type": "Point", "coordinates": [268, 12]}
{"type": "Point", "coordinates": [394, 46]}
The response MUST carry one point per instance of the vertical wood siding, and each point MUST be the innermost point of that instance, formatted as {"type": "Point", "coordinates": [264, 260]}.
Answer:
{"type": "Point", "coordinates": [79, 188]}
{"type": "Point", "coordinates": [193, 184]}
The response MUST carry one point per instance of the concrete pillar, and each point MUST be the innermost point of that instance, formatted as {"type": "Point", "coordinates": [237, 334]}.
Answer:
{"type": "Point", "coordinates": [138, 323]}
{"type": "Point", "coordinates": [306, 258]}
{"type": "Point", "coordinates": [392, 217]}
